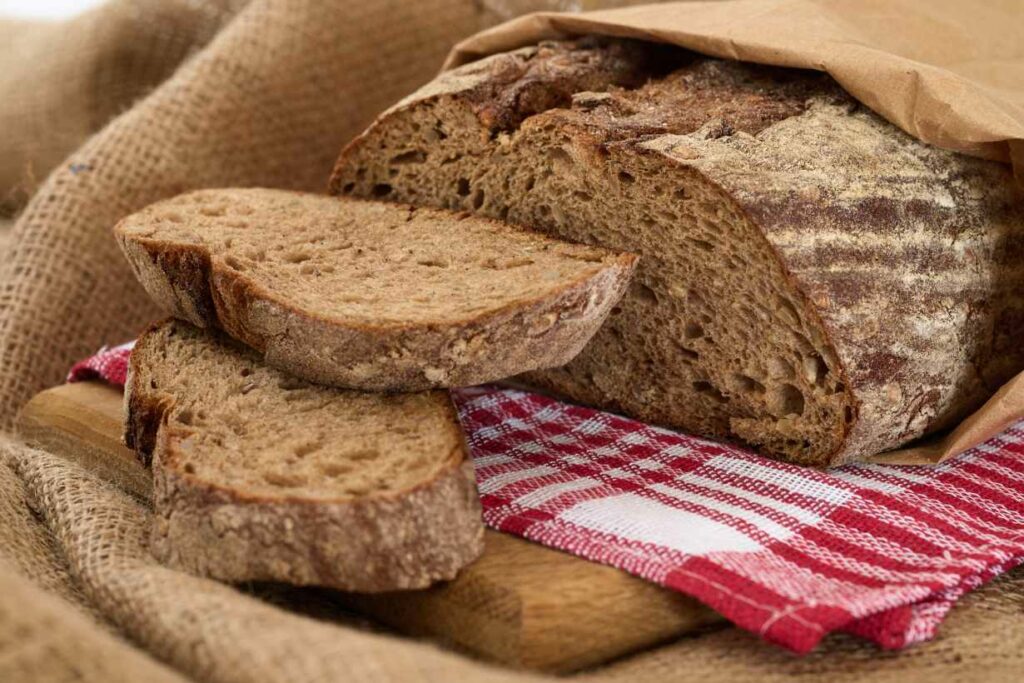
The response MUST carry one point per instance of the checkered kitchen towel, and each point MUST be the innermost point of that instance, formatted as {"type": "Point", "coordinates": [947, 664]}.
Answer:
{"type": "Point", "coordinates": [786, 552]}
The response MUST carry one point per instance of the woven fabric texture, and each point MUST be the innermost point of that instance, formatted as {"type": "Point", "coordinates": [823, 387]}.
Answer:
{"type": "Point", "coordinates": [140, 100]}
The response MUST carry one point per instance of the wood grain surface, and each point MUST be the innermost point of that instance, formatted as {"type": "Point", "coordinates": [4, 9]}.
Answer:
{"type": "Point", "coordinates": [520, 604]}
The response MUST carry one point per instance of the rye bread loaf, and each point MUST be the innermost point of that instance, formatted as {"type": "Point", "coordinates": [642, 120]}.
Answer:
{"type": "Point", "coordinates": [369, 295]}
{"type": "Point", "coordinates": [813, 281]}
{"type": "Point", "coordinates": [260, 476]}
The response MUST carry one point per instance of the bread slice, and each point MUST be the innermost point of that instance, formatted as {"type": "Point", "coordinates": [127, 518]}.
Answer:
{"type": "Point", "coordinates": [261, 476]}
{"type": "Point", "coordinates": [813, 281]}
{"type": "Point", "coordinates": [369, 295]}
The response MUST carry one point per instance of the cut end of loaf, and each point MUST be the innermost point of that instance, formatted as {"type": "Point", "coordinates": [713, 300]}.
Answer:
{"type": "Point", "coordinates": [370, 295]}
{"type": "Point", "coordinates": [713, 336]}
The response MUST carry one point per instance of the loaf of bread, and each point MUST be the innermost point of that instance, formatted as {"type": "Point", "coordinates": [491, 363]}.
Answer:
{"type": "Point", "coordinates": [813, 281]}
{"type": "Point", "coordinates": [258, 476]}
{"type": "Point", "coordinates": [369, 295]}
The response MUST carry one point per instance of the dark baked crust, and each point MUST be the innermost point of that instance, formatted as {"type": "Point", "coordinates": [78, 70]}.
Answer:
{"type": "Point", "coordinates": [369, 545]}
{"type": "Point", "coordinates": [144, 409]}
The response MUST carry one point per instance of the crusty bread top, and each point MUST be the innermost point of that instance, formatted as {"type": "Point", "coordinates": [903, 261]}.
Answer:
{"type": "Point", "coordinates": [235, 424]}
{"type": "Point", "coordinates": [371, 295]}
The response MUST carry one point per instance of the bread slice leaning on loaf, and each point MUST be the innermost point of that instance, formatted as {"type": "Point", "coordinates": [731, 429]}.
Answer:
{"type": "Point", "coordinates": [813, 281]}
{"type": "Point", "coordinates": [369, 295]}
{"type": "Point", "coordinates": [258, 476]}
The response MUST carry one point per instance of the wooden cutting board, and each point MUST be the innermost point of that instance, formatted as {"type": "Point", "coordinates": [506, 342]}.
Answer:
{"type": "Point", "coordinates": [520, 604]}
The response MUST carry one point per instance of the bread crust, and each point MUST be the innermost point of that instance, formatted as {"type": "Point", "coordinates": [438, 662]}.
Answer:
{"type": "Point", "coordinates": [399, 540]}
{"type": "Point", "coordinates": [544, 332]}
{"type": "Point", "coordinates": [902, 254]}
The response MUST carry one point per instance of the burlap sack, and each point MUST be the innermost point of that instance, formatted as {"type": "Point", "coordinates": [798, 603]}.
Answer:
{"type": "Point", "coordinates": [260, 93]}
{"type": "Point", "coordinates": [82, 76]}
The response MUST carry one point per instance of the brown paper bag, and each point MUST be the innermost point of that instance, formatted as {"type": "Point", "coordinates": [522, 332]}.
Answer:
{"type": "Point", "coordinates": [949, 73]}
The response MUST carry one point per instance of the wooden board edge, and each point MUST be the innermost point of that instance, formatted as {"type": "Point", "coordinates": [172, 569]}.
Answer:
{"type": "Point", "coordinates": [75, 421]}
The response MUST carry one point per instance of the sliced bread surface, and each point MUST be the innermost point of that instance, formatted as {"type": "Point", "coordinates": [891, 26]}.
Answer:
{"type": "Point", "coordinates": [370, 295]}
{"type": "Point", "coordinates": [813, 281]}
{"type": "Point", "coordinates": [262, 476]}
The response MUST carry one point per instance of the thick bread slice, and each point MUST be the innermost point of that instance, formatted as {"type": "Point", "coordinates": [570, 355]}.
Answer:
{"type": "Point", "coordinates": [261, 476]}
{"type": "Point", "coordinates": [370, 295]}
{"type": "Point", "coordinates": [812, 281]}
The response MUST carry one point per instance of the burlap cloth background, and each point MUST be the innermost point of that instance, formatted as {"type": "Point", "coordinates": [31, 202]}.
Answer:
{"type": "Point", "coordinates": [189, 94]}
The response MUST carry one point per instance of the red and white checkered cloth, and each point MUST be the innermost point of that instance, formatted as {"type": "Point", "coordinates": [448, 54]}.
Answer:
{"type": "Point", "coordinates": [783, 551]}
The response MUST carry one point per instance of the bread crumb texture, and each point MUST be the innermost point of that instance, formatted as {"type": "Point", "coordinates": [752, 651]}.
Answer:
{"type": "Point", "coordinates": [240, 424]}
